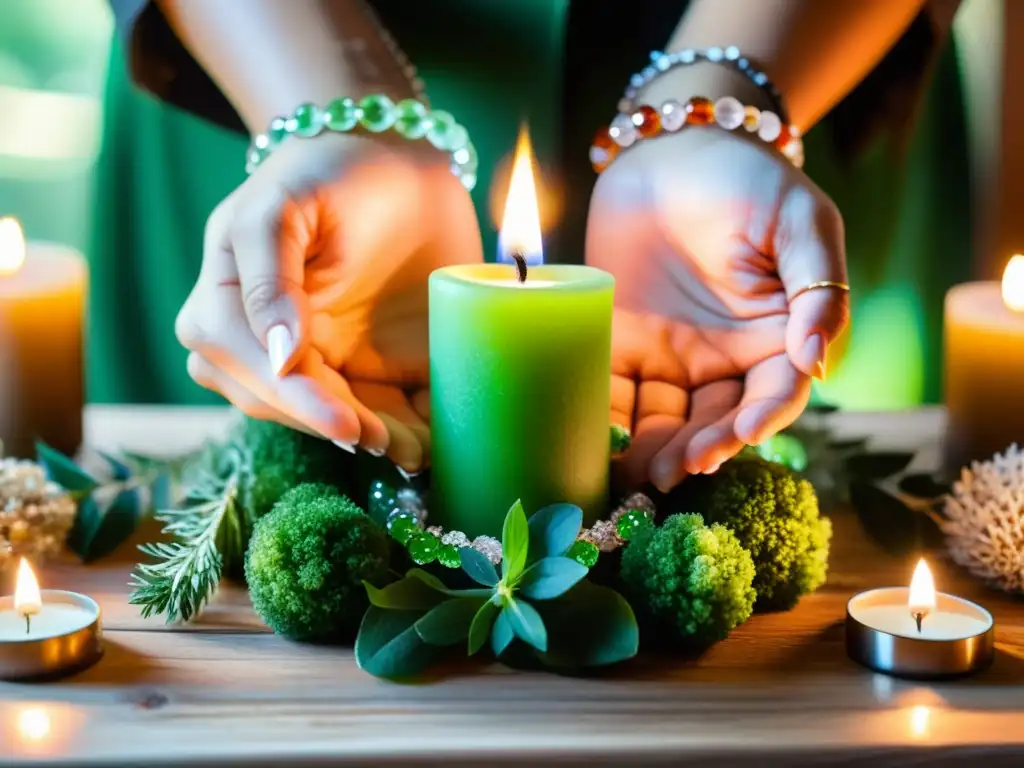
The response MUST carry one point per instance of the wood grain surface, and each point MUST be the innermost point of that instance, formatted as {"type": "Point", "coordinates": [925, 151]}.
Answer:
{"type": "Point", "coordinates": [779, 691]}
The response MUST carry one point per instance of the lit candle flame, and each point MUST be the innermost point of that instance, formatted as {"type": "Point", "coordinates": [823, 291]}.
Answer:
{"type": "Point", "coordinates": [27, 598]}
{"type": "Point", "coordinates": [1013, 284]}
{"type": "Point", "coordinates": [520, 224]}
{"type": "Point", "coordinates": [12, 246]}
{"type": "Point", "coordinates": [922, 593]}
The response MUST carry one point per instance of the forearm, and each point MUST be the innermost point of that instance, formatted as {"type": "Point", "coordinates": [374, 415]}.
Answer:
{"type": "Point", "coordinates": [268, 56]}
{"type": "Point", "coordinates": [815, 51]}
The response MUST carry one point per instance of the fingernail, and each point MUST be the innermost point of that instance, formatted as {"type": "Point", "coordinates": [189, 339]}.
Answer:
{"type": "Point", "coordinates": [406, 475]}
{"type": "Point", "coordinates": [345, 446]}
{"type": "Point", "coordinates": [378, 452]}
{"type": "Point", "coordinates": [822, 363]}
{"type": "Point", "coordinates": [812, 355]}
{"type": "Point", "coordinates": [712, 469]}
{"type": "Point", "coordinates": [280, 347]}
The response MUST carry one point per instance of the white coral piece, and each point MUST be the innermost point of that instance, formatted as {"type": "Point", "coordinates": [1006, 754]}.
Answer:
{"type": "Point", "coordinates": [985, 520]}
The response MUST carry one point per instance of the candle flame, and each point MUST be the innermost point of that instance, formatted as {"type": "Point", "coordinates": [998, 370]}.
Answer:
{"type": "Point", "coordinates": [1013, 284]}
{"type": "Point", "coordinates": [520, 224]}
{"type": "Point", "coordinates": [922, 590]}
{"type": "Point", "coordinates": [27, 598]}
{"type": "Point", "coordinates": [12, 246]}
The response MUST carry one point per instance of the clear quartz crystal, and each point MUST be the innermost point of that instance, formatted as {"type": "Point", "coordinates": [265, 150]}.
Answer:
{"type": "Point", "coordinates": [673, 115]}
{"type": "Point", "coordinates": [771, 126]}
{"type": "Point", "coordinates": [622, 130]}
{"type": "Point", "coordinates": [729, 113]}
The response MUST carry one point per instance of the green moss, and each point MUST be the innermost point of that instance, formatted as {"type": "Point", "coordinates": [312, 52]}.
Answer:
{"type": "Point", "coordinates": [307, 561]}
{"type": "Point", "coordinates": [688, 582]}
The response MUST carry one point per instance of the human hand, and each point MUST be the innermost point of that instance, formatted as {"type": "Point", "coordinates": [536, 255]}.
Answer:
{"type": "Point", "coordinates": [311, 305]}
{"type": "Point", "coordinates": [707, 232]}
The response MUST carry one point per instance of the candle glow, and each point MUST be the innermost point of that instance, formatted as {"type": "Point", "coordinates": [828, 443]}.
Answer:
{"type": "Point", "coordinates": [1013, 284]}
{"type": "Point", "coordinates": [27, 598]}
{"type": "Point", "coordinates": [12, 246]}
{"type": "Point", "coordinates": [922, 592]}
{"type": "Point", "coordinates": [520, 225]}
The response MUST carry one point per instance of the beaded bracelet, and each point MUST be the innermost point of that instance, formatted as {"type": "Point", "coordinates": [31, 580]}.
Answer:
{"type": "Point", "coordinates": [646, 122]}
{"type": "Point", "coordinates": [375, 113]}
{"type": "Point", "coordinates": [731, 55]}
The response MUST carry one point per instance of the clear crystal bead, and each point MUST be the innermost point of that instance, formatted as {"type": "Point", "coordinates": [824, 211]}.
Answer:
{"type": "Point", "coordinates": [729, 113]}
{"type": "Point", "coordinates": [732, 53]}
{"type": "Point", "coordinates": [622, 130]}
{"type": "Point", "coordinates": [637, 80]}
{"type": "Point", "coordinates": [688, 56]}
{"type": "Point", "coordinates": [771, 126]}
{"type": "Point", "coordinates": [663, 64]}
{"type": "Point", "coordinates": [714, 53]}
{"type": "Point", "coordinates": [673, 115]}
{"type": "Point", "coordinates": [760, 78]}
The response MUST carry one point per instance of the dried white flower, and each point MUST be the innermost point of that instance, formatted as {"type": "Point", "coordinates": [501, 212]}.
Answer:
{"type": "Point", "coordinates": [984, 522]}
{"type": "Point", "coordinates": [35, 515]}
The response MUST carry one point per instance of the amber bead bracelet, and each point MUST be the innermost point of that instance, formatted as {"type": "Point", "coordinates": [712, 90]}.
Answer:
{"type": "Point", "coordinates": [646, 122]}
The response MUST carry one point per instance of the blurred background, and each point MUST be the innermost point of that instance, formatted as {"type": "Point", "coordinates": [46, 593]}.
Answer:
{"type": "Point", "coordinates": [86, 160]}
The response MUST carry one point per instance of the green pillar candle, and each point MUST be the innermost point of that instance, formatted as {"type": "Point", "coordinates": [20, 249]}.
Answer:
{"type": "Point", "coordinates": [520, 392]}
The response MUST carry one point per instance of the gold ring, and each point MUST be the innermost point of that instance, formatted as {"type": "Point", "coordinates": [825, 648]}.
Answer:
{"type": "Point", "coordinates": [820, 284]}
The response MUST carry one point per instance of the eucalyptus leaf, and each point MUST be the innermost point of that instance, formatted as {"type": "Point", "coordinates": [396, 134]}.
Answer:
{"type": "Point", "coordinates": [526, 623]}
{"type": "Point", "coordinates": [450, 622]}
{"type": "Point", "coordinates": [478, 567]}
{"type": "Point", "coordinates": [409, 593]}
{"type": "Point", "coordinates": [551, 577]}
{"type": "Point", "coordinates": [115, 523]}
{"type": "Point", "coordinates": [590, 626]}
{"type": "Point", "coordinates": [87, 522]}
{"type": "Point", "coordinates": [515, 541]}
{"type": "Point", "coordinates": [923, 486]}
{"type": "Point", "coordinates": [389, 646]}
{"type": "Point", "coordinates": [118, 469]}
{"type": "Point", "coordinates": [161, 492]}
{"type": "Point", "coordinates": [553, 530]}
{"type": "Point", "coordinates": [480, 628]}
{"type": "Point", "coordinates": [501, 634]}
{"type": "Point", "coordinates": [64, 472]}
{"type": "Point", "coordinates": [895, 527]}
{"type": "Point", "coordinates": [877, 466]}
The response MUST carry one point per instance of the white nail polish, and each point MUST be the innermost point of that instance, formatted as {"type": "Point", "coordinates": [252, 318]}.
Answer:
{"type": "Point", "coordinates": [344, 446]}
{"type": "Point", "coordinates": [408, 476]}
{"type": "Point", "coordinates": [280, 346]}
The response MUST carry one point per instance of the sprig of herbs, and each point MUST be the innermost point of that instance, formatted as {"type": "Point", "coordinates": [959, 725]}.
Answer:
{"type": "Point", "coordinates": [540, 598]}
{"type": "Point", "coordinates": [210, 531]}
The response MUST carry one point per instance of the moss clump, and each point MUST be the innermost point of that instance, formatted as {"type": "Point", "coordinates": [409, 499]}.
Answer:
{"type": "Point", "coordinates": [688, 581]}
{"type": "Point", "coordinates": [306, 563]}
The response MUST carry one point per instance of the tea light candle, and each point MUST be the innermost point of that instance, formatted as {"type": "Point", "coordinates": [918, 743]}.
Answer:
{"type": "Point", "coordinates": [918, 632]}
{"type": "Point", "coordinates": [46, 633]}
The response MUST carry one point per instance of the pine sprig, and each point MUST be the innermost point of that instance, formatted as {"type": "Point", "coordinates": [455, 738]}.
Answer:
{"type": "Point", "coordinates": [209, 531]}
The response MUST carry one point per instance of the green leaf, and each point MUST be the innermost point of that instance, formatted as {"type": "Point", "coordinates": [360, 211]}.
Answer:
{"type": "Point", "coordinates": [83, 530]}
{"type": "Point", "coordinates": [64, 472]}
{"type": "Point", "coordinates": [515, 541]}
{"type": "Point", "coordinates": [427, 578]}
{"type": "Point", "coordinates": [501, 634]}
{"type": "Point", "coordinates": [923, 486]}
{"type": "Point", "coordinates": [481, 626]}
{"type": "Point", "coordinates": [450, 622]}
{"type": "Point", "coordinates": [118, 469]}
{"type": "Point", "coordinates": [526, 623]}
{"type": "Point", "coordinates": [590, 626]}
{"type": "Point", "coordinates": [877, 466]}
{"type": "Point", "coordinates": [113, 525]}
{"type": "Point", "coordinates": [553, 530]}
{"type": "Point", "coordinates": [890, 523]}
{"type": "Point", "coordinates": [389, 646]}
{"type": "Point", "coordinates": [478, 567]}
{"type": "Point", "coordinates": [551, 577]}
{"type": "Point", "coordinates": [409, 593]}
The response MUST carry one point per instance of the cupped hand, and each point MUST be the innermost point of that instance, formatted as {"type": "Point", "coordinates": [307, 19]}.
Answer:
{"type": "Point", "coordinates": [311, 304]}
{"type": "Point", "coordinates": [707, 234]}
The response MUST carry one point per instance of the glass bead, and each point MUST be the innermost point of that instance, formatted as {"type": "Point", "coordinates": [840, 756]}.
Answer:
{"type": "Point", "coordinates": [309, 120]}
{"type": "Point", "coordinates": [794, 150]}
{"type": "Point", "coordinates": [625, 105]}
{"type": "Point", "coordinates": [341, 115]}
{"type": "Point", "coordinates": [751, 118]}
{"type": "Point", "coordinates": [760, 78]}
{"type": "Point", "coordinates": [631, 522]}
{"type": "Point", "coordinates": [261, 142]}
{"type": "Point", "coordinates": [648, 73]}
{"type": "Point", "coordinates": [448, 556]}
{"type": "Point", "coordinates": [663, 63]}
{"type": "Point", "coordinates": [603, 150]}
{"type": "Point", "coordinates": [382, 501]}
{"type": "Point", "coordinates": [584, 552]}
{"type": "Point", "coordinates": [673, 115]}
{"type": "Point", "coordinates": [637, 80]}
{"type": "Point", "coordinates": [442, 124]}
{"type": "Point", "coordinates": [732, 53]}
{"type": "Point", "coordinates": [714, 53]}
{"type": "Point", "coordinates": [729, 113]}
{"type": "Point", "coordinates": [423, 548]}
{"type": "Point", "coordinates": [646, 121]}
{"type": "Point", "coordinates": [468, 180]}
{"type": "Point", "coordinates": [378, 113]}
{"type": "Point", "coordinates": [622, 130]}
{"type": "Point", "coordinates": [466, 158]}
{"type": "Point", "coordinates": [688, 56]}
{"type": "Point", "coordinates": [277, 131]}
{"type": "Point", "coordinates": [458, 137]}
{"type": "Point", "coordinates": [403, 527]}
{"type": "Point", "coordinates": [771, 126]}
{"type": "Point", "coordinates": [699, 111]}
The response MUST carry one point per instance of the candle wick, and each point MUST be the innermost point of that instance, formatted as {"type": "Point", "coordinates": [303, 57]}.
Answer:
{"type": "Point", "coordinates": [918, 617]}
{"type": "Point", "coordinates": [28, 623]}
{"type": "Point", "coordinates": [520, 266]}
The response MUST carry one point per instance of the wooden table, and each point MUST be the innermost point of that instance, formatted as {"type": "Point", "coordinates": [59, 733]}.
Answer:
{"type": "Point", "coordinates": [780, 690]}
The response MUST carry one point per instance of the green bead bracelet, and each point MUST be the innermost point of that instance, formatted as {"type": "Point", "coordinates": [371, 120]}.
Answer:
{"type": "Point", "coordinates": [375, 113]}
